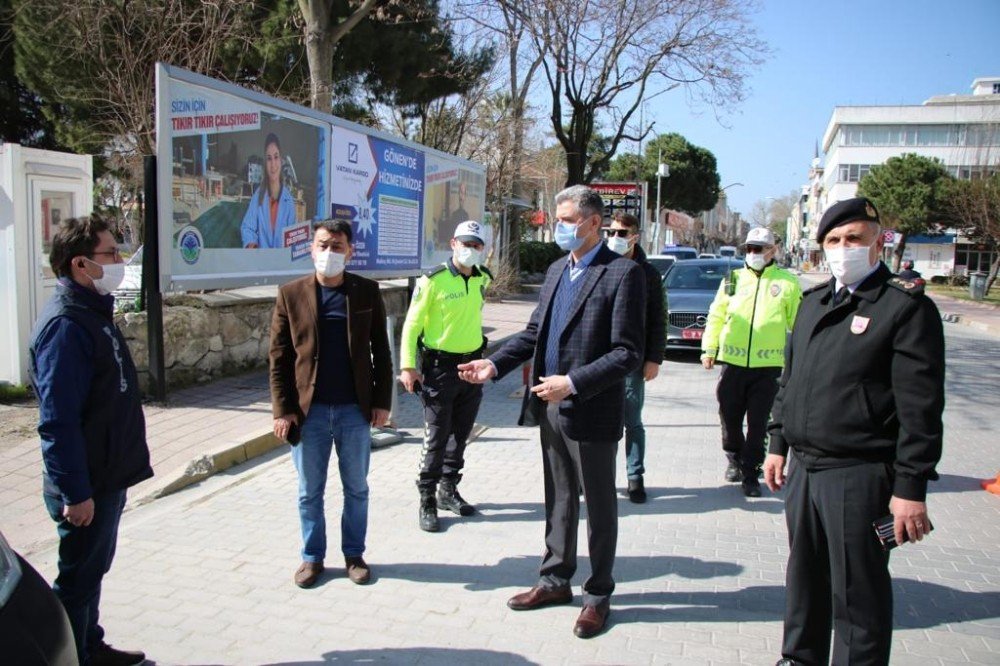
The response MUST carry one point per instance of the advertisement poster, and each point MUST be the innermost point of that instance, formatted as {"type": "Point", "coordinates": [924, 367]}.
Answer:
{"type": "Point", "coordinates": [453, 194]}
{"type": "Point", "coordinates": [246, 182]}
{"type": "Point", "coordinates": [620, 198]}
{"type": "Point", "coordinates": [378, 185]}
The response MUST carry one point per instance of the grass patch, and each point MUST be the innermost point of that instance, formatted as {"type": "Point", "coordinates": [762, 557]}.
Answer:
{"type": "Point", "coordinates": [962, 293]}
{"type": "Point", "coordinates": [14, 393]}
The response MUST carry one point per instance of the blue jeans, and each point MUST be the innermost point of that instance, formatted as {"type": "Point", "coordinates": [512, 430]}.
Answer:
{"type": "Point", "coordinates": [635, 433]}
{"type": "Point", "coordinates": [324, 427]}
{"type": "Point", "coordinates": [85, 555]}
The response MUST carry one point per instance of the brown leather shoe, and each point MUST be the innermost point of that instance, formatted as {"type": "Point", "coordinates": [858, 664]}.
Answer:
{"type": "Point", "coordinates": [308, 573]}
{"type": "Point", "coordinates": [592, 619]}
{"type": "Point", "coordinates": [539, 597]}
{"type": "Point", "coordinates": [357, 570]}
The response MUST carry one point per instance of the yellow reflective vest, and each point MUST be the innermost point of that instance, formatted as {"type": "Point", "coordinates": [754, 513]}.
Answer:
{"type": "Point", "coordinates": [751, 316]}
{"type": "Point", "coordinates": [446, 313]}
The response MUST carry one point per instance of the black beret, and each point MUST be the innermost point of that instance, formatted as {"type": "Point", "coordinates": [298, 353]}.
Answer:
{"type": "Point", "coordinates": [858, 209]}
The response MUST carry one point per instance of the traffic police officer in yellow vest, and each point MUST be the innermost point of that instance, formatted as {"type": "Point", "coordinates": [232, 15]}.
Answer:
{"type": "Point", "coordinates": [444, 327]}
{"type": "Point", "coordinates": [748, 323]}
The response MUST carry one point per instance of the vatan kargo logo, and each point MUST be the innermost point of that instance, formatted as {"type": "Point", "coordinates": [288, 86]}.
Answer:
{"type": "Point", "coordinates": [189, 242]}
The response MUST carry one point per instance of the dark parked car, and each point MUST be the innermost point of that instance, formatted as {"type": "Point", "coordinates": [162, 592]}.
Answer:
{"type": "Point", "coordinates": [691, 287]}
{"type": "Point", "coordinates": [661, 262]}
{"type": "Point", "coordinates": [680, 252]}
{"type": "Point", "coordinates": [34, 628]}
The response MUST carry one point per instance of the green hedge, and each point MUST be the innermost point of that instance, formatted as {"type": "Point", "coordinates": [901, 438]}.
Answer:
{"type": "Point", "coordinates": [536, 256]}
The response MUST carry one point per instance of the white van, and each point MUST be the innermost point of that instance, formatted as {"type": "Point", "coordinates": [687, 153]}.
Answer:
{"type": "Point", "coordinates": [727, 251]}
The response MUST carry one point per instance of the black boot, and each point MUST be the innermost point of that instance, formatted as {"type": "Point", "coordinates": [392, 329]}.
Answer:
{"type": "Point", "coordinates": [428, 511]}
{"type": "Point", "coordinates": [733, 473]}
{"type": "Point", "coordinates": [636, 491]}
{"type": "Point", "coordinates": [449, 499]}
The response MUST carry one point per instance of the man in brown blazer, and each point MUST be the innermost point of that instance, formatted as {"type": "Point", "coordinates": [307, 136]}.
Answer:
{"type": "Point", "coordinates": [331, 379]}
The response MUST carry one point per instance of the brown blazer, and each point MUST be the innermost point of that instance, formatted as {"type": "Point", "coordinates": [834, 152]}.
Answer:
{"type": "Point", "coordinates": [295, 346]}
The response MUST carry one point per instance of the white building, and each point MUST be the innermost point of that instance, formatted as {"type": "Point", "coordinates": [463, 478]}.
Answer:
{"type": "Point", "coordinates": [963, 131]}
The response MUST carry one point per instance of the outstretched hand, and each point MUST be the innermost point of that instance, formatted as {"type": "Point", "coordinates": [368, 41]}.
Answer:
{"type": "Point", "coordinates": [479, 371]}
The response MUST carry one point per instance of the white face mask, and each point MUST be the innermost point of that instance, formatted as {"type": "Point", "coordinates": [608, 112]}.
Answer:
{"type": "Point", "coordinates": [618, 245]}
{"type": "Point", "coordinates": [113, 276]}
{"type": "Point", "coordinates": [329, 263]}
{"type": "Point", "coordinates": [467, 256]}
{"type": "Point", "coordinates": [756, 260]}
{"type": "Point", "coordinates": [849, 264]}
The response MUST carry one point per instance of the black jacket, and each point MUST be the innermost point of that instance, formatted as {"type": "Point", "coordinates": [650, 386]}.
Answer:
{"type": "Point", "coordinates": [656, 309]}
{"type": "Point", "coordinates": [864, 381]}
{"type": "Point", "coordinates": [90, 419]}
{"type": "Point", "coordinates": [600, 345]}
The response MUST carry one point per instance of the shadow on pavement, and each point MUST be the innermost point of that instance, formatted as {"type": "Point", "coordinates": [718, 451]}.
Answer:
{"type": "Point", "coordinates": [522, 571]}
{"type": "Point", "coordinates": [918, 605]}
{"type": "Point", "coordinates": [953, 483]}
{"type": "Point", "coordinates": [701, 500]}
{"type": "Point", "coordinates": [414, 655]}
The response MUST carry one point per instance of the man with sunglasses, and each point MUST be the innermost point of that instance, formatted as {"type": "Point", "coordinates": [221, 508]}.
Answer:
{"type": "Point", "coordinates": [748, 323]}
{"type": "Point", "coordinates": [623, 238]}
{"type": "Point", "coordinates": [90, 422]}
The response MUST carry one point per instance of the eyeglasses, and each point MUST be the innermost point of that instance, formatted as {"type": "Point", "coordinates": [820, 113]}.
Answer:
{"type": "Point", "coordinates": [109, 253]}
{"type": "Point", "coordinates": [755, 249]}
{"type": "Point", "coordinates": [621, 233]}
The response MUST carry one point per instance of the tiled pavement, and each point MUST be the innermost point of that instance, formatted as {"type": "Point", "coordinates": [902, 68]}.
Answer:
{"type": "Point", "coordinates": [204, 576]}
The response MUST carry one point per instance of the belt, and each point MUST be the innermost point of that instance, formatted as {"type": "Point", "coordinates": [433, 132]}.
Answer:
{"type": "Point", "coordinates": [440, 356]}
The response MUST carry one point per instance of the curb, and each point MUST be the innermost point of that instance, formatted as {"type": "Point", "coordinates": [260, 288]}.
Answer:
{"type": "Point", "coordinates": [238, 453]}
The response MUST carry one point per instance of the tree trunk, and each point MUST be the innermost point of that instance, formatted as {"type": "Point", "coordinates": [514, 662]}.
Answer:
{"type": "Point", "coordinates": [322, 32]}
{"type": "Point", "coordinates": [897, 253]}
{"type": "Point", "coordinates": [992, 277]}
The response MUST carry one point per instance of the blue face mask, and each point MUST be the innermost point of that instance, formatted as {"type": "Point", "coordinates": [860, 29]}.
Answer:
{"type": "Point", "coordinates": [566, 236]}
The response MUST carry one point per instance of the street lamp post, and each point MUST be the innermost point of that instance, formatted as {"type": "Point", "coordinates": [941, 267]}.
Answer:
{"type": "Point", "coordinates": [662, 171]}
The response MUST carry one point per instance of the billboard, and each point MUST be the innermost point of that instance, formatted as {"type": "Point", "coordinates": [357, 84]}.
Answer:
{"type": "Point", "coordinates": [453, 194]}
{"type": "Point", "coordinates": [242, 176]}
{"type": "Point", "coordinates": [620, 198]}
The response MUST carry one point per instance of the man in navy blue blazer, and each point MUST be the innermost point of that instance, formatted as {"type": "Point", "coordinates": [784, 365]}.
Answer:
{"type": "Point", "coordinates": [584, 338]}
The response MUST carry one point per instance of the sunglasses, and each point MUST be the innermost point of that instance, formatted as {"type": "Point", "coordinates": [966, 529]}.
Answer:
{"type": "Point", "coordinates": [620, 233]}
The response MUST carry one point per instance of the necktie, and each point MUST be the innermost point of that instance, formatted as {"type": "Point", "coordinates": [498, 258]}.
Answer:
{"type": "Point", "coordinates": [842, 295]}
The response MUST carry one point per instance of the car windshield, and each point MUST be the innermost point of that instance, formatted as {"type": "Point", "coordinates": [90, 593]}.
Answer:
{"type": "Point", "coordinates": [685, 275]}
{"type": "Point", "coordinates": [661, 263]}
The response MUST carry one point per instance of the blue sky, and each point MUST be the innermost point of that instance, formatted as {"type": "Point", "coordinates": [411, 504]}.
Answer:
{"type": "Point", "coordinates": [828, 54]}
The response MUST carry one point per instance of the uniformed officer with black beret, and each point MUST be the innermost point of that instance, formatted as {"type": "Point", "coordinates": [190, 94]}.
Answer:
{"type": "Point", "coordinates": [858, 416]}
{"type": "Point", "coordinates": [444, 327]}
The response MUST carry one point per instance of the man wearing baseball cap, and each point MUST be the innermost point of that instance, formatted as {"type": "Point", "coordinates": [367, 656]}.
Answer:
{"type": "Point", "coordinates": [444, 327]}
{"type": "Point", "coordinates": [747, 326]}
{"type": "Point", "coordinates": [858, 417]}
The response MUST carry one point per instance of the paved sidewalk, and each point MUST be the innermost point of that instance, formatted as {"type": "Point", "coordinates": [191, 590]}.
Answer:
{"type": "Point", "coordinates": [196, 431]}
{"type": "Point", "coordinates": [204, 576]}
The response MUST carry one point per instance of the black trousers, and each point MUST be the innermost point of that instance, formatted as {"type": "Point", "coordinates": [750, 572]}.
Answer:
{"type": "Point", "coordinates": [838, 574]}
{"type": "Point", "coordinates": [570, 465]}
{"type": "Point", "coordinates": [450, 408]}
{"type": "Point", "coordinates": [746, 392]}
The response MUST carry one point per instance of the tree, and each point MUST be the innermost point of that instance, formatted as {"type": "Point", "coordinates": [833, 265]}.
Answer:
{"type": "Point", "coordinates": [91, 64]}
{"type": "Point", "coordinates": [602, 58]}
{"type": "Point", "coordinates": [974, 207]}
{"type": "Point", "coordinates": [909, 193]}
{"type": "Point", "coordinates": [693, 183]}
{"type": "Point", "coordinates": [22, 119]}
{"type": "Point", "coordinates": [326, 23]}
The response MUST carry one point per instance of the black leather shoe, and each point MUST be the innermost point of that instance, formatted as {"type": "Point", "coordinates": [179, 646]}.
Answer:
{"type": "Point", "coordinates": [448, 499]}
{"type": "Point", "coordinates": [540, 597]}
{"type": "Point", "coordinates": [103, 654]}
{"type": "Point", "coordinates": [636, 491]}
{"type": "Point", "coordinates": [786, 662]}
{"type": "Point", "coordinates": [733, 473]}
{"type": "Point", "coordinates": [592, 620]}
{"type": "Point", "coordinates": [428, 513]}
{"type": "Point", "coordinates": [751, 487]}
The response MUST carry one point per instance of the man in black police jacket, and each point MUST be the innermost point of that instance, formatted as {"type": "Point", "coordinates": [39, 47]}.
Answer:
{"type": "Point", "coordinates": [859, 409]}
